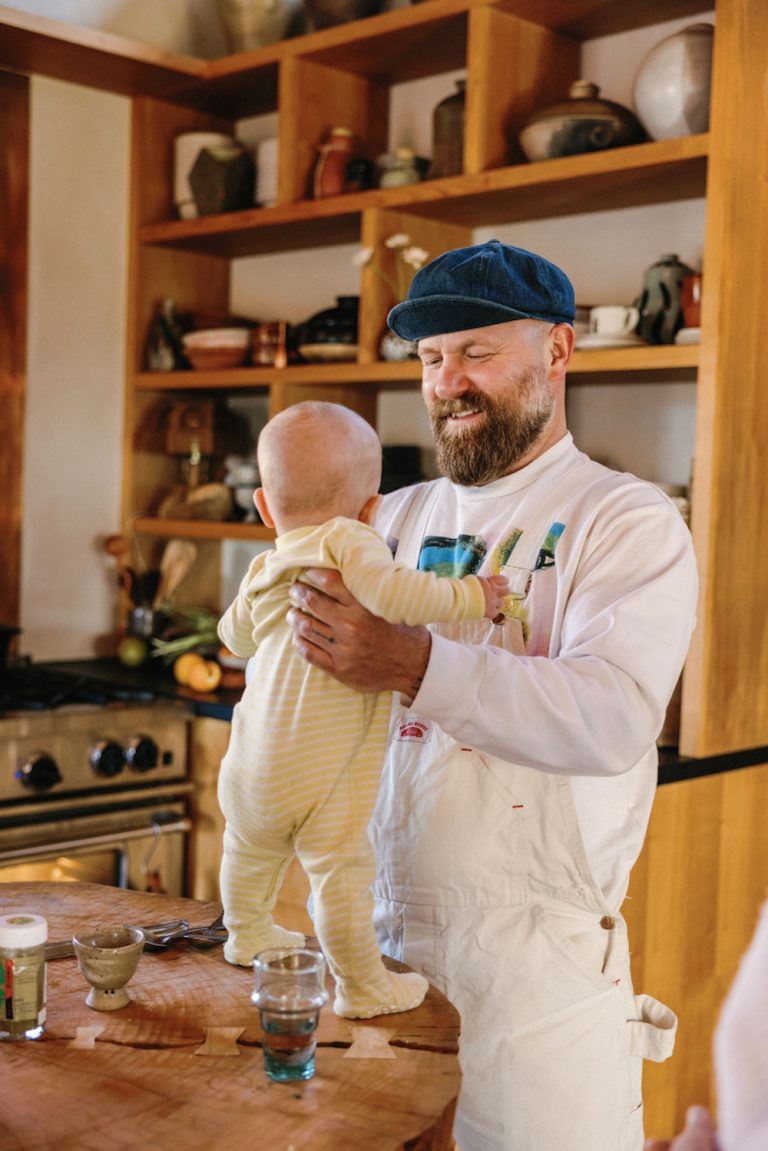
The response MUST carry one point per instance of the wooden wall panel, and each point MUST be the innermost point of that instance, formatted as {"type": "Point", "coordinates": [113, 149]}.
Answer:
{"type": "Point", "coordinates": [693, 904]}
{"type": "Point", "coordinates": [14, 197]}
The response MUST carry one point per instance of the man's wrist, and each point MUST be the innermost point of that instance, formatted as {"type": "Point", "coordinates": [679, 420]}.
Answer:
{"type": "Point", "coordinates": [418, 661]}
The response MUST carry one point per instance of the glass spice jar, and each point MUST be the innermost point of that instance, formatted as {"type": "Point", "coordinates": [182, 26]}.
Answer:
{"type": "Point", "coordinates": [23, 983]}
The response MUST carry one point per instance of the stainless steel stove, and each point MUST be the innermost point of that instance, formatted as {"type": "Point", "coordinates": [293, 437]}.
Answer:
{"type": "Point", "coordinates": [93, 783]}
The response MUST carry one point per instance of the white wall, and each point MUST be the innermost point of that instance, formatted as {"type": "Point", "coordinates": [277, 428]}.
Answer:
{"type": "Point", "coordinates": [75, 365]}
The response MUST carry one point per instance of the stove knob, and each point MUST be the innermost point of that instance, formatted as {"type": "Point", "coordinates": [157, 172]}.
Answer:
{"type": "Point", "coordinates": [107, 758]}
{"type": "Point", "coordinates": [39, 773]}
{"type": "Point", "coordinates": [142, 753]}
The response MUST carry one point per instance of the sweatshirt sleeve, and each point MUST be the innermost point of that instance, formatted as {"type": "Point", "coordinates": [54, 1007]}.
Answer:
{"type": "Point", "coordinates": [400, 594]}
{"type": "Point", "coordinates": [235, 627]}
{"type": "Point", "coordinates": [595, 704]}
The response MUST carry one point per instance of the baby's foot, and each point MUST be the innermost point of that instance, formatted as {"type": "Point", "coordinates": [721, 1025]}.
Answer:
{"type": "Point", "coordinates": [403, 993]}
{"type": "Point", "coordinates": [242, 951]}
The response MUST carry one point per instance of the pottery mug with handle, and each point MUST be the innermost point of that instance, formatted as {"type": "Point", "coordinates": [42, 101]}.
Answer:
{"type": "Point", "coordinates": [613, 320]}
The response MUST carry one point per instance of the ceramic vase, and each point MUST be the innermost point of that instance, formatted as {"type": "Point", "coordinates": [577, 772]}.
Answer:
{"type": "Point", "coordinates": [448, 135]}
{"type": "Point", "coordinates": [255, 23]}
{"type": "Point", "coordinates": [328, 13]}
{"type": "Point", "coordinates": [660, 301]}
{"type": "Point", "coordinates": [395, 349]}
{"type": "Point", "coordinates": [582, 123]}
{"type": "Point", "coordinates": [672, 87]}
{"type": "Point", "coordinates": [330, 174]}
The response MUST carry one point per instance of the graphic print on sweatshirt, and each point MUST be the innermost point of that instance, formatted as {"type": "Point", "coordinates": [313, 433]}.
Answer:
{"type": "Point", "coordinates": [465, 554]}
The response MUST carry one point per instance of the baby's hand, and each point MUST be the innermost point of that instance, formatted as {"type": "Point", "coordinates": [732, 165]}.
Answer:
{"type": "Point", "coordinates": [495, 588]}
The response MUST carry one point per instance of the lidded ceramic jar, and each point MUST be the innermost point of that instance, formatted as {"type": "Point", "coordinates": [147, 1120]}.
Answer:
{"type": "Point", "coordinates": [671, 91]}
{"type": "Point", "coordinates": [582, 123]}
{"type": "Point", "coordinates": [336, 325]}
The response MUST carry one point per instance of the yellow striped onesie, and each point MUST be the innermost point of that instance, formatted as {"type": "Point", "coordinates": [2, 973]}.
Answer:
{"type": "Point", "coordinates": [301, 771]}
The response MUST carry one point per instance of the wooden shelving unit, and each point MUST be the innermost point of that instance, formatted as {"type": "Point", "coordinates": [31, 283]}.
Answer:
{"type": "Point", "coordinates": [311, 80]}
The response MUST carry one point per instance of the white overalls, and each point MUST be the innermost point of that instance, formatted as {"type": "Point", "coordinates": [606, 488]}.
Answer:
{"type": "Point", "coordinates": [485, 883]}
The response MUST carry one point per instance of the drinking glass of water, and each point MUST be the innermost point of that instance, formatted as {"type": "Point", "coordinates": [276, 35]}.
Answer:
{"type": "Point", "coordinates": [289, 992]}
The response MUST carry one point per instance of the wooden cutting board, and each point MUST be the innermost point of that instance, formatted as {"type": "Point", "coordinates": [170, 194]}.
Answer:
{"type": "Point", "coordinates": [181, 1065]}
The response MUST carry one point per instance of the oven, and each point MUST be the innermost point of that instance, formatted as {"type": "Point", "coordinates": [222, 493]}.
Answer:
{"type": "Point", "coordinates": [93, 787]}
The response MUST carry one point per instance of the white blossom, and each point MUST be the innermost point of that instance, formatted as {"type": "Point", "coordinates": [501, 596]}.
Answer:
{"type": "Point", "coordinates": [414, 257]}
{"type": "Point", "coordinates": [363, 257]}
{"type": "Point", "coordinates": [399, 240]}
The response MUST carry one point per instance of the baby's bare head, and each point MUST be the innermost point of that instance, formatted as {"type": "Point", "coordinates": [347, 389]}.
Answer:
{"type": "Point", "coordinates": [318, 460]}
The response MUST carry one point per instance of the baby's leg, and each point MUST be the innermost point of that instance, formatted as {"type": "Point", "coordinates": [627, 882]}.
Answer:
{"type": "Point", "coordinates": [340, 869]}
{"type": "Point", "coordinates": [250, 880]}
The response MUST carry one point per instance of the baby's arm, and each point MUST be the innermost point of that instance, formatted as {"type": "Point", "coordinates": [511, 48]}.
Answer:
{"type": "Point", "coordinates": [495, 589]}
{"type": "Point", "coordinates": [406, 595]}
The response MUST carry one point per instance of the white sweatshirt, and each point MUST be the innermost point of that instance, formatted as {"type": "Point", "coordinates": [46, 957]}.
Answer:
{"type": "Point", "coordinates": [603, 631]}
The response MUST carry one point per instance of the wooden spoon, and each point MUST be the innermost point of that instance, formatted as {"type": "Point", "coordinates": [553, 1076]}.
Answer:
{"type": "Point", "coordinates": [177, 559]}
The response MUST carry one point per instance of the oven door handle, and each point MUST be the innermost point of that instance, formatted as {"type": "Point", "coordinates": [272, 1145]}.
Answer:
{"type": "Point", "coordinates": [107, 839]}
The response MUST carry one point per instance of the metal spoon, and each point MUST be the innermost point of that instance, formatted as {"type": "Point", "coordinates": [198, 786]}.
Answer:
{"type": "Point", "coordinates": [210, 936]}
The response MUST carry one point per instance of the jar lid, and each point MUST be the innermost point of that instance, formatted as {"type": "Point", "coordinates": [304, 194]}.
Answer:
{"type": "Point", "coordinates": [22, 930]}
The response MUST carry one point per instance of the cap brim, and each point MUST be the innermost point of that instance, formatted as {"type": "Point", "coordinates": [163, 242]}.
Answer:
{"type": "Point", "coordinates": [437, 315]}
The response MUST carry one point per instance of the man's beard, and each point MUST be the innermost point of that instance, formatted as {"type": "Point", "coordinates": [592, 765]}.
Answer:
{"type": "Point", "coordinates": [512, 425]}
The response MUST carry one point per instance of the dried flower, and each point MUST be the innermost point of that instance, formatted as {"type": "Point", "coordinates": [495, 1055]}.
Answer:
{"type": "Point", "coordinates": [407, 259]}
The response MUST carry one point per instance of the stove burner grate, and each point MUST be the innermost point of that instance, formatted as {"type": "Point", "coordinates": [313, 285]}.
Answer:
{"type": "Point", "coordinates": [27, 687]}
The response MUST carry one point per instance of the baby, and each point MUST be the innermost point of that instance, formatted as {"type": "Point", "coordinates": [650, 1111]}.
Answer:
{"type": "Point", "coordinates": [301, 772]}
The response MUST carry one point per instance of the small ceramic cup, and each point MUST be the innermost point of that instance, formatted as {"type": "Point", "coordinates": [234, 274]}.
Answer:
{"type": "Point", "coordinates": [613, 320]}
{"type": "Point", "coordinates": [108, 958]}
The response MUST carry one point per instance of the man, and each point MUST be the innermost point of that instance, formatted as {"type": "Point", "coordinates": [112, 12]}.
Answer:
{"type": "Point", "coordinates": [522, 762]}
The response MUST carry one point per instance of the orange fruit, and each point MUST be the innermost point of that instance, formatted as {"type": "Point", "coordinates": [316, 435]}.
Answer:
{"type": "Point", "coordinates": [184, 665]}
{"type": "Point", "coordinates": [204, 676]}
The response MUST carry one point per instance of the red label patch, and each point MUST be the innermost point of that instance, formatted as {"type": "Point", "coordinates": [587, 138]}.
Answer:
{"type": "Point", "coordinates": [412, 730]}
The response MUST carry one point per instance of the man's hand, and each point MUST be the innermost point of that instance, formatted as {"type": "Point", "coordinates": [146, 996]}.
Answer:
{"type": "Point", "coordinates": [699, 1135]}
{"type": "Point", "coordinates": [332, 631]}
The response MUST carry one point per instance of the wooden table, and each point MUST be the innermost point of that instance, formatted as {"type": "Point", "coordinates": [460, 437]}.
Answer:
{"type": "Point", "coordinates": [181, 1065]}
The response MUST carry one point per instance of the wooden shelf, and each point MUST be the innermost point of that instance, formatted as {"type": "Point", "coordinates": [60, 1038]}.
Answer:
{"type": "Point", "coordinates": [657, 171]}
{"type": "Point", "coordinates": [35, 44]}
{"type": "Point", "coordinates": [265, 377]}
{"type": "Point", "coordinates": [638, 362]}
{"type": "Point", "coordinates": [403, 44]}
{"type": "Point", "coordinates": [201, 529]}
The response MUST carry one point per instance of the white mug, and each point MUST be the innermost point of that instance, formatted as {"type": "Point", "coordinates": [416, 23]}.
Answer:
{"type": "Point", "coordinates": [186, 148]}
{"type": "Point", "coordinates": [613, 320]}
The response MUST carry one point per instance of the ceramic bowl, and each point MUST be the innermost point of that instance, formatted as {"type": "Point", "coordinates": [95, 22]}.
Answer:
{"type": "Point", "coordinates": [216, 348]}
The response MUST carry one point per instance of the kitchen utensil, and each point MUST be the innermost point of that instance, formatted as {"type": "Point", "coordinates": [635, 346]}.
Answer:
{"type": "Point", "coordinates": [210, 936]}
{"type": "Point", "coordinates": [177, 559]}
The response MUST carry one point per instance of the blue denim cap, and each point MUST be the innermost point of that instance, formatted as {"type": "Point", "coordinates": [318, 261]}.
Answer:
{"type": "Point", "coordinates": [489, 283]}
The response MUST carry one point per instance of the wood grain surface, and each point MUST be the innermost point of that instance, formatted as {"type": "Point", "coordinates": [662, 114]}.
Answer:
{"type": "Point", "coordinates": [137, 1077]}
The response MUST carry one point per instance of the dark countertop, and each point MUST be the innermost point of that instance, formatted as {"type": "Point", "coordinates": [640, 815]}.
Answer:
{"type": "Point", "coordinates": [153, 677]}
{"type": "Point", "coordinates": [156, 678]}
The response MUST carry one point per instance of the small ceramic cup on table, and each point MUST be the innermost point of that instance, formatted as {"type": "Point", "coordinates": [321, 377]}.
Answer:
{"type": "Point", "coordinates": [289, 992]}
{"type": "Point", "coordinates": [610, 321]}
{"type": "Point", "coordinates": [108, 958]}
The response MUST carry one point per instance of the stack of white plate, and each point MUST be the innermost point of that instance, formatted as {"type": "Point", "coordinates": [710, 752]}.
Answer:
{"type": "Point", "coordinates": [688, 336]}
{"type": "Point", "coordinates": [266, 172]}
